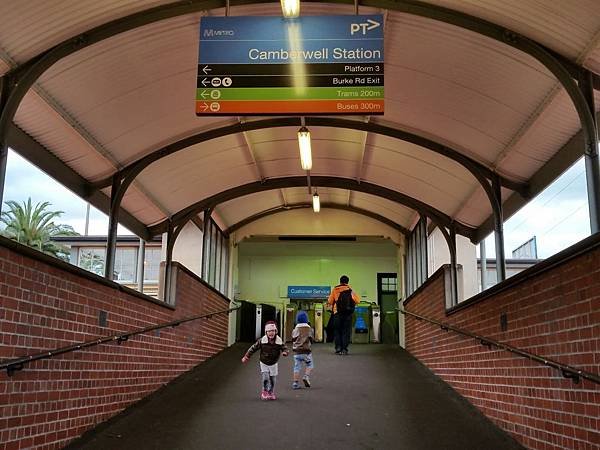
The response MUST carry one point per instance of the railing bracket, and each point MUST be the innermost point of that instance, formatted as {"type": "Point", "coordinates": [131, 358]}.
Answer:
{"type": "Point", "coordinates": [570, 375]}
{"type": "Point", "coordinates": [11, 369]}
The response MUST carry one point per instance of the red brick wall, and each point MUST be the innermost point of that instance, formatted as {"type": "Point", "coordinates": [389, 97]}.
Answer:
{"type": "Point", "coordinates": [46, 305]}
{"type": "Point", "coordinates": [553, 313]}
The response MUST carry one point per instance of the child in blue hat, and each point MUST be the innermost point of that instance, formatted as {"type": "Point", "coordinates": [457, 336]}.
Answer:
{"type": "Point", "coordinates": [302, 339]}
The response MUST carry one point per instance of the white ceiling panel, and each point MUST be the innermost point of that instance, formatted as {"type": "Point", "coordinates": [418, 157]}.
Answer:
{"type": "Point", "coordinates": [57, 21]}
{"type": "Point", "coordinates": [566, 27]}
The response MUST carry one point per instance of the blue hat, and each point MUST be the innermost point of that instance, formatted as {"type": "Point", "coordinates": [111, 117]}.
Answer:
{"type": "Point", "coordinates": [302, 317]}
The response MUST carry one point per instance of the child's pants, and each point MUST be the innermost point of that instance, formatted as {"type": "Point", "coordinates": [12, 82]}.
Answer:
{"type": "Point", "coordinates": [269, 376]}
{"type": "Point", "coordinates": [301, 359]}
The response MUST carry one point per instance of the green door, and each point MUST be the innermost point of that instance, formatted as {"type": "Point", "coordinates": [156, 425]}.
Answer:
{"type": "Point", "coordinates": [387, 296]}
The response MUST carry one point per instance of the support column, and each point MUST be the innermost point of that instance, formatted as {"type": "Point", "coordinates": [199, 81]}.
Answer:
{"type": "Point", "coordinates": [171, 237]}
{"type": "Point", "coordinates": [592, 164]}
{"type": "Point", "coordinates": [499, 231]}
{"type": "Point", "coordinates": [483, 265]}
{"type": "Point", "coordinates": [205, 250]}
{"type": "Point", "coordinates": [453, 266]}
{"type": "Point", "coordinates": [140, 265]}
{"type": "Point", "coordinates": [113, 222]}
{"type": "Point", "coordinates": [4, 82]}
{"type": "Point", "coordinates": [3, 162]}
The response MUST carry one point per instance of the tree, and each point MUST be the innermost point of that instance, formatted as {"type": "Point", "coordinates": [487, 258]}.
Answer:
{"type": "Point", "coordinates": [34, 226]}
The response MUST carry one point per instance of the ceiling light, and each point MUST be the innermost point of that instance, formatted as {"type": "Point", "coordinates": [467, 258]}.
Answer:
{"type": "Point", "coordinates": [290, 8]}
{"type": "Point", "coordinates": [305, 152]}
{"type": "Point", "coordinates": [316, 203]}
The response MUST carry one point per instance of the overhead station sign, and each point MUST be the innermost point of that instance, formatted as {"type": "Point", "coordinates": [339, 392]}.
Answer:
{"type": "Point", "coordinates": [274, 66]}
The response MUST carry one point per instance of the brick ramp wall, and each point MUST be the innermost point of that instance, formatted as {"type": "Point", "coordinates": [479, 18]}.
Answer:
{"type": "Point", "coordinates": [46, 305]}
{"type": "Point", "coordinates": [555, 314]}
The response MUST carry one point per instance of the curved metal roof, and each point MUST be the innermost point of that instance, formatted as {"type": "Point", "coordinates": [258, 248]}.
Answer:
{"type": "Point", "coordinates": [113, 82]}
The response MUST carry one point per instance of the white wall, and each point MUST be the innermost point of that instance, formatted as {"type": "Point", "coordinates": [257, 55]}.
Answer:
{"type": "Point", "coordinates": [326, 222]}
{"type": "Point", "coordinates": [188, 248]}
{"type": "Point", "coordinates": [466, 256]}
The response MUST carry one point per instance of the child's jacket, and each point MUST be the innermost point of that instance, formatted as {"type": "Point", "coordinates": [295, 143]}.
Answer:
{"type": "Point", "coordinates": [269, 351]}
{"type": "Point", "coordinates": [302, 338]}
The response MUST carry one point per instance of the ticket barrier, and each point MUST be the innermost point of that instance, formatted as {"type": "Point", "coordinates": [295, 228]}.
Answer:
{"type": "Point", "coordinates": [375, 323]}
{"type": "Point", "coordinates": [327, 330]}
{"type": "Point", "coordinates": [264, 314]}
{"type": "Point", "coordinates": [360, 327]}
{"type": "Point", "coordinates": [318, 324]}
{"type": "Point", "coordinates": [290, 320]}
{"type": "Point", "coordinates": [258, 322]}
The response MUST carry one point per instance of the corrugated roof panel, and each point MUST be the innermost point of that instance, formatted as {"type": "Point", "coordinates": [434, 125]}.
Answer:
{"type": "Point", "coordinates": [135, 89]}
{"type": "Point", "coordinates": [45, 125]}
{"type": "Point", "coordinates": [558, 124]}
{"type": "Point", "coordinates": [57, 21]}
{"type": "Point", "coordinates": [238, 209]}
{"type": "Point", "coordinates": [188, 176]}
{"type": "Point", "coordinates": [142, 207]}
{"type": "Point", "coordinates": [566, 26]}
{"type": "Point", "coordinates": [4, 67]}
{"type": "Point", "coordinates": [467, 91]}
{"type": "Point", "coordinates": [592, 61]}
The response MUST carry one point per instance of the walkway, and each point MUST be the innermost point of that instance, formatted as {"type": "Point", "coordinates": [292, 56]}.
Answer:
{"type": "Point", "coordinates": [378, 397]}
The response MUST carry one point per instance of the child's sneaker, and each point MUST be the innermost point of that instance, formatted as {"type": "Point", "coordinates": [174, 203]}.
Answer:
{"type": "Point", "coordinates": [272, 396]}
{"type": "Point", "coordinates": [264, 395]}
{"type": "Point", "coordinates": [295, 385]}
{"type": "Point", "coordinates": [306, 381]}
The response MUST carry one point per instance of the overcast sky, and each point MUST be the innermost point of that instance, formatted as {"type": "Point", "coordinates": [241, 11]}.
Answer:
{"type": "Point", "coordinates": [24, 180]}
{"type": "Point", "coordinates": [558, 217]}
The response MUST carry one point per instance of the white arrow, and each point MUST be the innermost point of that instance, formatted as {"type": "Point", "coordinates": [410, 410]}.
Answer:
{"type": "Point", "coordinates": [374, 24]}
{"type": "Point", "coordinates": [206, 69]}
{"type": "Point", "coordinates": [204, 94]}
{"type": "Point", "coordinates": [204, 106]}
{"type": "Point", "coordinates": [205, 81]}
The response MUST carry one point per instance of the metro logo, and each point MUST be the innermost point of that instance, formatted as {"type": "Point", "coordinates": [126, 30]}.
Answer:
{"type": "Point", "coordinates": [363, 27]}
{"type": "Point", "coordinates": [211, 33]}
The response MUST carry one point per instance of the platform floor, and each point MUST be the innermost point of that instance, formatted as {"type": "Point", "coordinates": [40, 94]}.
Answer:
{"type": "Point", "coordinates": [377, 397]}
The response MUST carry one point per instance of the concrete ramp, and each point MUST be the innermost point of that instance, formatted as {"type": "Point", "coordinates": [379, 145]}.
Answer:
{"type": "Point", "coordinates": [378, 397]}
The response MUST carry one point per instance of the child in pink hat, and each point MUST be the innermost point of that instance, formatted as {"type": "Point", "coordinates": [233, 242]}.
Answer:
{"type": "Point", "coordinates": [271, 348]}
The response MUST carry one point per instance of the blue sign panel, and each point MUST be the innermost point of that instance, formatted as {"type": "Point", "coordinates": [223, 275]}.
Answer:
{"type": "Point", "coordinates": [274, 66]}
{"type": "Point", "coordinates": [307, 39]}
{"type": "Point", "coordinates": [309, 291]}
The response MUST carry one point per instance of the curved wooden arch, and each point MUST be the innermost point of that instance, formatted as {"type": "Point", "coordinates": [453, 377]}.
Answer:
{"type": "Point", "coordinates": [435, 215]}
{"type": "Point", "coordinates": [293, 206]}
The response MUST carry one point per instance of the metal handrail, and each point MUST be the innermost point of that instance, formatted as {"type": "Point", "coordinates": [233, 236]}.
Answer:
{"type": "Point", "coordinates": [13, 365]}
{"type": "Point", "coordinates": [567, 371]}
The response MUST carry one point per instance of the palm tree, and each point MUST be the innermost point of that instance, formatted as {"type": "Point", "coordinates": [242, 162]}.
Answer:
{"type": "Point", "coordinates": [34, 226]}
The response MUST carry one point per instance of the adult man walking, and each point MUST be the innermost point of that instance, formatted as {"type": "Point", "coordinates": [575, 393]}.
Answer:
{"type": "Point", "coordinates": [342, 300]}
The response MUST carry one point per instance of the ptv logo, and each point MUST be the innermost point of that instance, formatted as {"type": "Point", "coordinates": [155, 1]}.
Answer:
{"type": "Point", "coordinates": [363, 27]}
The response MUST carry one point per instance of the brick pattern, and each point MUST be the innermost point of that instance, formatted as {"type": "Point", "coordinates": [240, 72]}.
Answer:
{"type": "Point", "coordinates": [555, 314]}
{"type": "Point", "coordinates": [44, 307]}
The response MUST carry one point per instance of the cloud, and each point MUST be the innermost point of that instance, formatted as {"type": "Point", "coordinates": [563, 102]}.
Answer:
{"type": "Point", "coordinates": [24, 180]}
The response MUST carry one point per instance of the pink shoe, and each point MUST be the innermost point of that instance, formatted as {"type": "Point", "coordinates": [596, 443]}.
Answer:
{"type": "Point", "coordinates": [264, 395]}
{"type": "Point", "coordinates": [272, 396]}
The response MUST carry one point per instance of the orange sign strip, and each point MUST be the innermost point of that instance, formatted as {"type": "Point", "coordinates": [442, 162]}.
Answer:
{"type": "Point", "coordinates": [230, 107]}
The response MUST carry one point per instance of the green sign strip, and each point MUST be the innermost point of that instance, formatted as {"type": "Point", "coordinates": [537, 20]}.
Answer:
{"type": "Point", "coordinates": [286, 93]}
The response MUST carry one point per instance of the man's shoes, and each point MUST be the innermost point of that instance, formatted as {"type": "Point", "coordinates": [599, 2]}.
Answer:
{"type": "Point", "coordinates": [344, 352]}
{"type": "Point", "coordinates": [306, 381]}
{"type": "Point", "coordinates": [264, 395]}
{"type": "Point", "coordinates": [295, 385]}
{"type": "Point", "coordinates": [338, 352]}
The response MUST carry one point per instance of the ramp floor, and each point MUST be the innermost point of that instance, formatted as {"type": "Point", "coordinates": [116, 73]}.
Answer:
{"type": "Point", "coordinates": [378, 397]}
